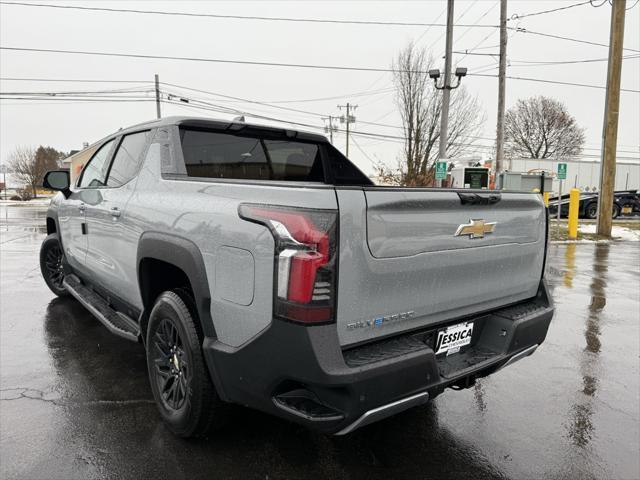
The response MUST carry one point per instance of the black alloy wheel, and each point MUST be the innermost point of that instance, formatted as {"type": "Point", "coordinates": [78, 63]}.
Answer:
{"type": "Point", "coordinates": [52, 265]}
{"type": "Point", "coordinates": [180, 381]}
{"type": "Point", "coordinates": [172, 372]}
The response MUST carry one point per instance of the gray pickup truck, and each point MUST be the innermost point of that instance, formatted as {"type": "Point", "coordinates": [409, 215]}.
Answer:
{"type": "Point", "coordinates": [258, 266]}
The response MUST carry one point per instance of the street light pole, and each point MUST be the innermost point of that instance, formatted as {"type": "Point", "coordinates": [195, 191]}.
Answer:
{"type": "Point", "coordinates": [446, 87]}
{"type": "Point", "coordinates": [446, 92]}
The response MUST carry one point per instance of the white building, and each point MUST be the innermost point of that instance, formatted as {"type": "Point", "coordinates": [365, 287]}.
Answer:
{"type": "Point", "coordinates": [582, 173]}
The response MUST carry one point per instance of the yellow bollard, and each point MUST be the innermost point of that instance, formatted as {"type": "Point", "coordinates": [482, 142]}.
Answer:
{"type": "Point", "coordinates": [545, 196]}
{"type": "Point", "coordinates": [574, 204]}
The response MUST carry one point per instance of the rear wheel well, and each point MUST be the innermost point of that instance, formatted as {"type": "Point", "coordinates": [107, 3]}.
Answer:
{"type": "Point", "coordinates": [51, 226]}
{"type": "Point", "coordinates": [157, 276]}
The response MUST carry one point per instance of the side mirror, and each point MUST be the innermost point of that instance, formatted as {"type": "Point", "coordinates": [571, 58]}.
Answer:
{"type": "Point", "coordinates": [58, 180]}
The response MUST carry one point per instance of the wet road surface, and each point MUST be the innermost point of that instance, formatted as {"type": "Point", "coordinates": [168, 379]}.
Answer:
{"type": "Point", "coordinates": [75, 400]}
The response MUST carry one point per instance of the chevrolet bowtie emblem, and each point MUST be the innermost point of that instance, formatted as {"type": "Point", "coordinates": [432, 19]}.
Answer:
{"type": "Point", "coordinates": [475, 229]}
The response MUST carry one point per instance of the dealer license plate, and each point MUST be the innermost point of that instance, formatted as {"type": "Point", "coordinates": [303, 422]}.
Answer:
{"type": "Point", "coordinates": [452, 338]}
{"type": "Point", "coordinates": [627, 210]}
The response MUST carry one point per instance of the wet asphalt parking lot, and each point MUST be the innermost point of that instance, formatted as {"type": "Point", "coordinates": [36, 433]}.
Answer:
{"type": "Point", "coordinates": [75, 400]}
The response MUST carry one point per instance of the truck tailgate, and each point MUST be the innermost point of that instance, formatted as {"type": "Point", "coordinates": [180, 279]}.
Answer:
{"type": "Point", "coordinates": [411, 258]}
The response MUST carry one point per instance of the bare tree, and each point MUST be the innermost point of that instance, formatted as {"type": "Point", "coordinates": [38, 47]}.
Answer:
{"type": "Point", "coordinates": [22, 162]}
{"type": "Point", "coordinates": [541, 127]}
{"type": "Point", "coordinates": [29, 165]}
{"type": "Point", "coordinates": [420, 105]}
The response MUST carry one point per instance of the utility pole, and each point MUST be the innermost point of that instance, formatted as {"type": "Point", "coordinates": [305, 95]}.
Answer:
{"type": "Point", "coordinates": [330, 129]}
{"type": "Point", "coordinates": [610, 126]}
{"type": "Point", "coordinates": [349, 119]}
{"type": "Point", "coordinates": [502, 72]}
{"type": "Point", "coordinates": [159, 115]}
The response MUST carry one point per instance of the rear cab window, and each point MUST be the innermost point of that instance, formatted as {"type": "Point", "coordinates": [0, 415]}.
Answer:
{"type": "Point", "coordinates": [210, 154]}
{"type": "Point", "coordinates": [217, 154]}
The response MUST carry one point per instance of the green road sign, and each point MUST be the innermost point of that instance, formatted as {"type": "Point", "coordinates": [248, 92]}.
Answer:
{"type": "Point", "coordinates": [562, 171]}
{"type": "Point", "coordinates": [441, 170]}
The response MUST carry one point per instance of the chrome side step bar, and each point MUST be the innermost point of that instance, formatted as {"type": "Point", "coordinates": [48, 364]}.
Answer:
{"type": "Point", "coordinates": [115, 322]}
{"type": "Point", "coordinates": [386, 411]}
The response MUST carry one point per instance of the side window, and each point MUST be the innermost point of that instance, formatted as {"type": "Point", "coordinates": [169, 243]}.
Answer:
{"type": "Point", "coordinates": [95, 172]}
{"type": "Point", "coordinates": [219, 155]}
{"type": "Point", "coordinates": [127, 159]}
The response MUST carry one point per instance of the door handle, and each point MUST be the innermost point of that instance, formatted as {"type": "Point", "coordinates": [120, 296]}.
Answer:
{"type": "Point", "coordinates": [115, 212]}
{"type": "Point", "coordinates": [82, 207]}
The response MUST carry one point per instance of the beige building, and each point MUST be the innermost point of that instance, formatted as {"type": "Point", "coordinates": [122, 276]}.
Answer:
{"type": "Point", "coordinates": [77, 161]}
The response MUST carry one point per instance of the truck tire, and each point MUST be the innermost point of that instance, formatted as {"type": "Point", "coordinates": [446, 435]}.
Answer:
{"type": "Point", "coordinates": [180, 382]}
{"type": "Point", "coordinates": [616, 211]}
{"type": "Point", "coordinates": [52, 265]}
{"type": "Point", "coordinates": [591, 210]}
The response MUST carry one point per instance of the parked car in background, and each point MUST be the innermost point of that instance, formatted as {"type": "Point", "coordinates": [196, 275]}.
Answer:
{"type": "Point", "coordinates": [259, 266]}
{"type": "Point", "coordinates": [626, 202]}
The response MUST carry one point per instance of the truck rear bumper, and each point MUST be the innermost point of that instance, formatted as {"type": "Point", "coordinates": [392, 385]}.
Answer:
{"type": "Point", "coordinates": [302, 374]}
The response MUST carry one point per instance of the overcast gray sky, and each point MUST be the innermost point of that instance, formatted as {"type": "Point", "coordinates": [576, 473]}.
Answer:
{"type": "Point", "coordinates": [65, 124]}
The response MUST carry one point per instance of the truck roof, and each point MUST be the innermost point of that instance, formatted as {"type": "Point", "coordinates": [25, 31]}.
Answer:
{"type": "Point", "coordinates": [218, 124]}
{"type": "Point", "coordinates": [203, 122]}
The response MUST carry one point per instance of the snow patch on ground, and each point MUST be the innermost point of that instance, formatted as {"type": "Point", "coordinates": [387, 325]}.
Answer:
{"type": "Point", "coordinates": [617, 232]}
{"type": "Point", "coordinates": [35, 202]}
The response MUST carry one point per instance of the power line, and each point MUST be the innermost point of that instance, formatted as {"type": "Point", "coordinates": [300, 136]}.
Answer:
{"type": "Point", "coordinates": [244, 100]}
{"type": "Point", "coordinates": [567, 62]}
{"type": "Point", "coordinates": [69, 80]}
{"type": "Point", "coordinates": [373, 163]}
{"type": "Point", "coordinates": [309, 20]}
{"type": "Point", "coordinates": [364, 93]}
{"type": "Point", "coordinates": [208, 60]}
{"type": "Point", "coordinates": [70, 100]}
{"type": "Point", "coordinates": [540, 63]}
{"type": "Point", "coordinates": [478, 20]}
{"type": "Point", "coordinates": [269, 104]}
{"type": "Point", "coordinates": [221, 109]}
{"type": "Point", "coordinates": [272, 64]}
{"type": "Point", "coordinates": [569, 39]}
{"type": "Point", "coordinates": [555, 82]}
{"type": "Point", "coordinates": [393, 138]}
{"type": "Point", "coordinates": [64, 102]}
{"type": "Point", "coordinates": [306, 100]}
{"type": "Point", "coordinates": [533, 14]}
{"type": "Point", "coordinates": [64, 93]}
{"type": "Point", "coordinates": [238, 17]}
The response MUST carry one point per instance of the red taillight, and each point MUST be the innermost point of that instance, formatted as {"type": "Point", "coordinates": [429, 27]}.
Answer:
{"type": "Point", "coordinates": [305, 260]}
